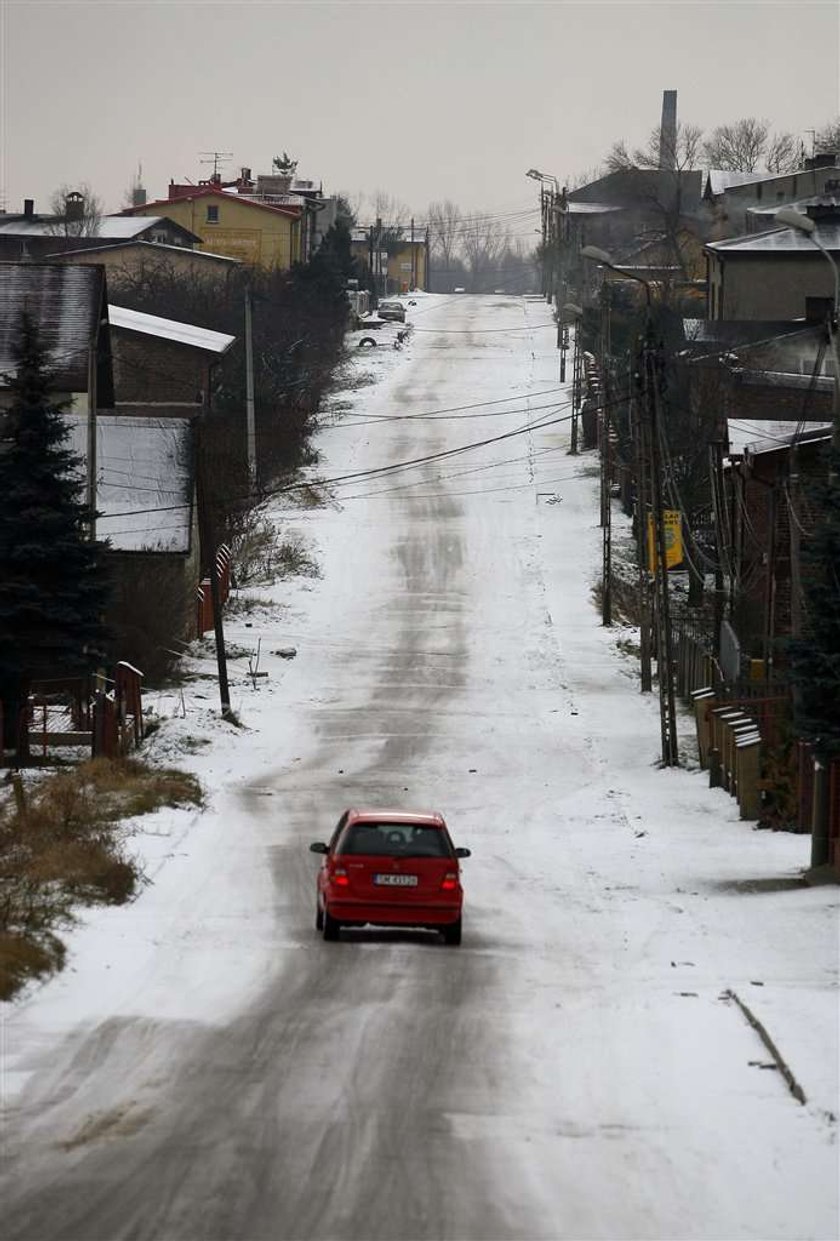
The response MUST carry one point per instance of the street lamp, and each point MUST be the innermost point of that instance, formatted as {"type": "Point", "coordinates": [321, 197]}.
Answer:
{"type": "Point", "coordinates": [804, 224]}
{"type": "Point", "coordinates": [548, 204]}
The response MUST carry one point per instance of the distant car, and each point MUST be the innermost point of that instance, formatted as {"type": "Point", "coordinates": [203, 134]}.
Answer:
{"type": "Point", "coordinates": [390, 868]}
{"type": "Point", "coordinates": [460, 289]}
{"type": "Point", "coordinates": [391, 310]}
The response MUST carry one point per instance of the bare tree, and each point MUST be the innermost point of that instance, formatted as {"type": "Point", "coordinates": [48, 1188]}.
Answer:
{"type": "Point", "coordinates": [828, 138]}
{"type": "Point", "coordinates": [484, 241]}
{"type": "Point", "coordinates": [784, 153]}
{"type": "Point", "coordinates": [684, 154]}
{"type": "Point", "coordinates": [738, 146]}
{"type": "Point", "coordinates": [77, 210]}
{"type": "Point", "coordinates": [390, 210]}
{"type": "Point", "coordinates": [445, 225]}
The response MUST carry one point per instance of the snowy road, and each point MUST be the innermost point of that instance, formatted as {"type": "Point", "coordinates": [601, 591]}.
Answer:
{"type": "Point", "coordinates": [572, 1071]}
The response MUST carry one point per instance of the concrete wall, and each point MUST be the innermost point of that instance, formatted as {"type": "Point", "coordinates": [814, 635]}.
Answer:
{"type": "Point", "coordinates": [771, 287]}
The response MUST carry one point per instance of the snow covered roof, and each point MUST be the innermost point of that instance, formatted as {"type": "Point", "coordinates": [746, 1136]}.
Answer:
{"type": "Point", "coordinates": [151, 247]}
{"type": "Point", "coordinates": [576, 208]}
{"type": "Point", "coordinates": [170, 329]}
{"type": "Point", "coordinates": [144, 480]}
{"type": "Point", "coordinates": [66, 303]}
{"type": "Point", "coordinates": [781, 241]}
{"type": "Point", "coordinates": [109, 227]}
{"type": "Point", "coordinates": [752, 437]}
{"type": "Point", "coordinates": [718, 180]}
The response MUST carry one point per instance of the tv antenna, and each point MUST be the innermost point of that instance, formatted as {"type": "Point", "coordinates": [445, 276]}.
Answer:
{"type": "Point", "coordinates": [216, 158]}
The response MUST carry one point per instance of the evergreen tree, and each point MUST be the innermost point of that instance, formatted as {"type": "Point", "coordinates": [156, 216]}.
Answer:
{"type": "Point", "coordinates": [53, 587]}
{"type": "Point", "coordinates": [815, 658]}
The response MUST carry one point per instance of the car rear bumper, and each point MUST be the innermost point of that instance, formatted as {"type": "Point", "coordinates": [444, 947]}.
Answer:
{"type": "Point", "coordinates": [383, 914]}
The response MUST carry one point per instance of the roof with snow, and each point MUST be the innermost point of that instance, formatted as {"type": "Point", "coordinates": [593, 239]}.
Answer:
{"type": "Point", "coordinates": [751, 437]}
{"type": "Point", "coordinates": [147, 247]}
{"type": "Point", "coordinates": [117, 227]}
{"type": "Point", "coordinates": [170, 329]}
{"type": "Point", "coordinates": [781, 241]}
{"type": "Point", "coordinates": [718, 180]}
{"type": "Point", "coordinates": [144, 480]}
{"type": "Point", "coordinates": [208, 192]}
{"type": "Point", "coordinates": [66, 303]}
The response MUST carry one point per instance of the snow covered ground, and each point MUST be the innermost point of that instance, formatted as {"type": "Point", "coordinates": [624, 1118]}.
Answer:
{"type": "Point", "coordinates": [206, 1067]}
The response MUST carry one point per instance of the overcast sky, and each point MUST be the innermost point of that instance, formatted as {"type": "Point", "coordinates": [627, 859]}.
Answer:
{"type": "Point", "coordinates": [422, 100]}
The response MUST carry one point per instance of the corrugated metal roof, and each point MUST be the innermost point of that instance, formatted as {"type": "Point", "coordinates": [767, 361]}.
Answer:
{"type": "Point", "coordinates": [144, 480]}
{"type": "Point", "coordinates": [170, 329]}
{"type": "Point", "coordinates": [65, 303]}
{"type": "Point", "coordinates": [781, 241]}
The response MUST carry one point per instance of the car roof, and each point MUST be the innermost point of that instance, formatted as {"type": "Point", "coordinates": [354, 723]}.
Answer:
{"type": "Point", "coordinates": [427, 818]}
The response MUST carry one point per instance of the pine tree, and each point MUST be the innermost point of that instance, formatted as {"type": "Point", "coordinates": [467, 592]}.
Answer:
{"type": "Point", "coordinates": [53, 585]}
{"type": "Point", "coordinates": [815, 658]}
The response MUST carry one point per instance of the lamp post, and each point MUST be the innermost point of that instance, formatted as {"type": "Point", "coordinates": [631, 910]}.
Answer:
{"type": "Point", "coordinates": [804, 224]}
{"type": "Point", "coordinates": [548, 206]}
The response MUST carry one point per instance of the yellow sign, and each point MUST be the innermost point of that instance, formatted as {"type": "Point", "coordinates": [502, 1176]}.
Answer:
{"type": "Point", "coordinates": [672, 528]}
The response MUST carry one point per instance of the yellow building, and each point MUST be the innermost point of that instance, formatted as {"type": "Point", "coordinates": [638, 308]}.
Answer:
{"type": "Point", "coordinates": [399, 272]}
{"type": "Point", "coordinates": [238, 227]}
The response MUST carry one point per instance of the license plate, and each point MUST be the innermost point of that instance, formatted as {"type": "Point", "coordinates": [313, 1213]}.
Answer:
{"type": "Point", "coordinates": [396, 881]}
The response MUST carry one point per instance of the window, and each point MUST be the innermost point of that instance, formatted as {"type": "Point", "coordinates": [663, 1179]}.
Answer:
{"type": "Point", "coordinates": [212, 214]}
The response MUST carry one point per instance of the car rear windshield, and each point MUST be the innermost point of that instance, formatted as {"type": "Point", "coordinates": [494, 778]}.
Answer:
{"type": "Point", "coordinates": [394, 840]}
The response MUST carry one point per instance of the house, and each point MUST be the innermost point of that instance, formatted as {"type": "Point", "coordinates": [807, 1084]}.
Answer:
{"type": "Point", "coordinates": [398, 265]}
{"type": "Point", "coordinates": [776, 274]}
{"type": "Point", "coordinates": [145, 497]}
{"type": "Point", "coordinates": [259, 233]}
{"type": "Point", "coordinates": [31, 236]}
{"type": "Point", "coordinates": [768, 517]}
{"type": "Point", "coordinates": [162, 366]}
{"type": "Point", "coordinates": [70, 307]}
{"type": "Point", "coordinates": [134, 260]}
{"type": "Point", "coordinates": [734, 198]}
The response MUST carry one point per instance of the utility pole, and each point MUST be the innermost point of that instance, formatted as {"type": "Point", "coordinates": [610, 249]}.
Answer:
{"type": "Point", "coordinates": [91, 440]}
{"type": "Point", "coordinates": [577, 365]}
{"type": "Point", "coordinates": [250, 419]}
{"type": "Point", "coordinates": [638, 423]}
{"type": "Point", "coordinates": [606, 500]}
{"type": "Point", "coordinates": [208, 550]}
{"type": "Point", "coordinates": [413, 260]}
{"type": "Point", "coordinates": [665, 658]}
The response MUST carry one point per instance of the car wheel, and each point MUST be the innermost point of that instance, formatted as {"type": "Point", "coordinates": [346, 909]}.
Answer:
{"type": "Point", "coordinates": [367, 342]}
{"type": "Point", "coordinates": [331, 926]}
{"type": "Point", "coordinates": [452, 934]}
{"type": "Point", "coordinates": [319, 918]}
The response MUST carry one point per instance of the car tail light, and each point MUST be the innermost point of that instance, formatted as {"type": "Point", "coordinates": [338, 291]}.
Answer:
{"type": "Point", "coordinates": [450, 882]}
{"type": "Point", "coordinates": [340, 878]}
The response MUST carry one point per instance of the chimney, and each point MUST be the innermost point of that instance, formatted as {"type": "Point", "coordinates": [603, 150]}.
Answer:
{"type": "Point", "coordinates": [74, 207]}
{"type": "Point", "coordinates": [668, 131]}
{"type": "Point", "coordinates": [28, 208]}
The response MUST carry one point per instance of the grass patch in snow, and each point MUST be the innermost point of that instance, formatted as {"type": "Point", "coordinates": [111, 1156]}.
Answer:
{"type": "Point", "coordinates": [62, 848]}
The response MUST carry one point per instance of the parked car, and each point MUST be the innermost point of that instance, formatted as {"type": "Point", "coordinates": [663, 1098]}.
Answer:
{"type": "Point", "coordinates": [390, 868]}
{"type": "Point", "coordinates": [391, 310]}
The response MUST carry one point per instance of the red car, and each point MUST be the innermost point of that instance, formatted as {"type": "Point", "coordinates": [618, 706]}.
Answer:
{"type": "Point", "coordinates": [390, 868]}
